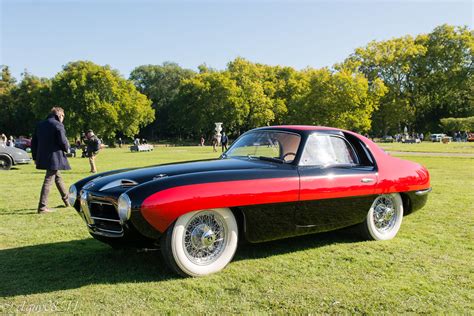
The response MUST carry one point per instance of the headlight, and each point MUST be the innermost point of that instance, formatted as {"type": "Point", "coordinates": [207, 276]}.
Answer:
{"type": "Point", "coordinates": [72, 197]}
{"type": "Point", "coordinates": [124, 207]}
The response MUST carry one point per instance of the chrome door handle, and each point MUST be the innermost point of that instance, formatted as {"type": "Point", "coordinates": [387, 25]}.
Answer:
{"type": "Point", "coordinates": [366, 180]}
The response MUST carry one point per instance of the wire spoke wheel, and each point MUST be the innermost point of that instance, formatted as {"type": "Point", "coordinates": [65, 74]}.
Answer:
{"type": "Point", "coordinates": [384, 214]}
{"type": "Point", "coordinates": [205, 237]}
{"type": "Point", "coordinates": [384, 217]}
{"type": "Point", "coordinates": [201, 242]}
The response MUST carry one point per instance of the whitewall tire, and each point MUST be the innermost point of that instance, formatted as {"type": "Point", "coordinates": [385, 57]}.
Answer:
{"type": "Point", "coordinates": [384, 218]}
{"type": "Point", "coordinates": [201, 242]}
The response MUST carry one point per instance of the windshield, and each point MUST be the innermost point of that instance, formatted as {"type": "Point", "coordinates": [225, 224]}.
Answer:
{"type": "Point", "coordinates": [274, 145]}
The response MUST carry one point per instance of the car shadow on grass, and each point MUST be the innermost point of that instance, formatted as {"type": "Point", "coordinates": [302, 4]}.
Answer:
{"type": "Point", "coordinates": [49, 267]}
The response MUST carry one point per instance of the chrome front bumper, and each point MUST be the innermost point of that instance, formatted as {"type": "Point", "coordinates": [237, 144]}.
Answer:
{"type": "Point", "coordinates": [423, 192]}
{"type": "Point", "coordinates": [23, 161]}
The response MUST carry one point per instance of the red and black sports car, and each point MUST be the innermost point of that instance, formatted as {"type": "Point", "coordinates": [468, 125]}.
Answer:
{"type": "Point", "coordinates": [273, 182]}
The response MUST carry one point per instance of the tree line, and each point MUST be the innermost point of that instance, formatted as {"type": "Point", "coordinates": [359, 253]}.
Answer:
{"type": "Point", "coordinates": [379, 89]}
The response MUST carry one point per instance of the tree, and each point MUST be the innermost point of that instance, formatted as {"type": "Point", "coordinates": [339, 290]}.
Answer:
{"type": "Point", "coordinates": [160, 83]}
{"type": "Point", "coordinates": [7, 83]}
{"type": "Point", "coordinates": [340, 99]}
{"type": "Point", "coordinates": [28, 97]}
{"type": "Point", "coordinates": [19, 103]}
{"type": "Point", "coordinates": [392, 62]}
{"type": "Point", "coordinates": [97, 97]}
{"type": "Point", "coordinates": [428, 77]}
{"type": "Point", "coordinates": [444, 76]}
{"type": "Point", "coordinates": [205, 99]}
{"type": "Point", "coordinates": [451, 124]}
{"type": "Point", "coordinates": [251, 79]}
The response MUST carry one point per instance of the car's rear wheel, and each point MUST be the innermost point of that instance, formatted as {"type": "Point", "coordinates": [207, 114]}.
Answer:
{"type": "Point", "coordinates": [5, 163]}
{"type": "Point", "coordinates": [201, 242]}
{"type": "Point", "coordinates": [384, 217]}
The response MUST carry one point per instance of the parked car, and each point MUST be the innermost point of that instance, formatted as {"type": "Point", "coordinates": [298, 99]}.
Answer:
{"type": "Point", "coordinates": [273, 182]}
{"type": "Point", "coordinates": [387, 139]}
{"type": "Point", "coordinates": [470, 137]}
{"type": "Point", "coordinates": [23, 143]}
{"type": "Point", "coordinates": [437, 137]}
{"type": "Point", "coordinates": [143, 147]}
{"type": "Point", "coordinates": [10, 156]}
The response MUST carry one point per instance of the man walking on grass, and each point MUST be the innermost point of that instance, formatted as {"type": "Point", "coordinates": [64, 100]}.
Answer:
{"type": "Point", "coordinates": [93, 147]}
{"type": "Point", "coordinates": [48, 147]}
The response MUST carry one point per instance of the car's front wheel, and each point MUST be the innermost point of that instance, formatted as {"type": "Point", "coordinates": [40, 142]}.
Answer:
{"type": "Point", "coordinates": [5, 163]}
{"type": "Point", "coordinates": [201, 242]}
{"type": "Point", "coordinates": [384, 217]}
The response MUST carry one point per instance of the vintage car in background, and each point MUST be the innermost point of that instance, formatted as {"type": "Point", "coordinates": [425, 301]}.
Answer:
{"type": "Point", "coordinates": [23, 143]}
{"type": "Point", "coordinates": [437, 137]}
{"type": "Point", "coordinates": [470, 137]}
{"type": "Point", "coordinates": [387, 139]}
{"type": "Point", "coordinates": [10, 156]}
{"type": "Point", "coordinates": [272, 183]}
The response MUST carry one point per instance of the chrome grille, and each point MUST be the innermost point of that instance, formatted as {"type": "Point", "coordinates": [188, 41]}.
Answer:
{"type": "Point", "coordinates": [101, 216]}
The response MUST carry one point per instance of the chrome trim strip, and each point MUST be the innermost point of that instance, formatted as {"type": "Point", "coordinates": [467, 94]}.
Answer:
{"type": "Point", "coordinates": [104, 232]}
{"type": "Point", "coordinates": [101, 202]}
{"type": "Point", "coordinates": [106, 219]}
{"type": "Point", "coordinates": [423, 192]}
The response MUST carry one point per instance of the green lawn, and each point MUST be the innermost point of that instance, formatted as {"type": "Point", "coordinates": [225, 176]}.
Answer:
{"type": "Point", "coordinates": [50, 262]}
{"type": "Point", "coordinates": [452, 147]}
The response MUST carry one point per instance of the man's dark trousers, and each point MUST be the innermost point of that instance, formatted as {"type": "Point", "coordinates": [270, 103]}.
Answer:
{"type": "Point", "coordinates": [52, 175]}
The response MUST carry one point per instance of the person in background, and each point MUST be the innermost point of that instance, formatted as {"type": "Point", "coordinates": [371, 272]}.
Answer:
{"type": "Point", "coordinates": [120, 142]}
{"type": "Point", "coordinates": [214, 143]}
{"type": "Point", "coordinates": [3, 139]}
{"type": "Point", "coordinates": [93, 147]}
{"type": "Point", "coordinates": [224, 141]}
{"type": "Point", "coordinates": [11, 142]}
{"type": "Point", "coordinates": [48, 147]}
{"type": "Point", "coordinates": [202, 141]}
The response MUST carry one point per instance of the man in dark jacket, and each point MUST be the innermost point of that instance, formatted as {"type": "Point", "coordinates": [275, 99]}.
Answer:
{"type": "Point", "coordinates": [48, 147]}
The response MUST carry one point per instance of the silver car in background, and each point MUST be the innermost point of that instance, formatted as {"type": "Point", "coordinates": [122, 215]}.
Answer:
{"type": "Point", "coordinates": [10, 156]}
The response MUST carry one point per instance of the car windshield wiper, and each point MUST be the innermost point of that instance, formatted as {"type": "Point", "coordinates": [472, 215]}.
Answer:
{"type": "Point", "coordinates": [271, 159]}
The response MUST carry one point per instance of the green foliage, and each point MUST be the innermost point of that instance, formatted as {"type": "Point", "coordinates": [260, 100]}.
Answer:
{"type": "Point", "coordinates": [160, 83]}
{"type": "Point", "coordinates": [208, 98]}
{"type": "Point", "coordinates": [445, 76]}
{"type": "Point", "coordinates": [382, 87]}
{"type": "Point", "coordinates": [428, 77]}
{"type": "Point", "coordinates": [19, 103]}
{"type": "Point", "coordinates": [392, 62]}
{"type": "Point", "coordinates": [98, 97]}
{"type": "Point", "coordinates": [452, 124]}
{"type": "Point", "coordinates": [341, 99]}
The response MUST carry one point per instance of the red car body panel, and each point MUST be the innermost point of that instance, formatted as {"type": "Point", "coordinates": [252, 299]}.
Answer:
{"type": "Point", "coordinates": [164, 207]}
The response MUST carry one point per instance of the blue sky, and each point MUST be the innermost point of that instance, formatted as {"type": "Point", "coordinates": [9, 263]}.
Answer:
{"type": "Point", "coordinates": [41, 36]}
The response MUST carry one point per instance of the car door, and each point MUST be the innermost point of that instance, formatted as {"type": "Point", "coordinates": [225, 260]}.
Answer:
{"type": "Point", "coordinates": [336, 185]}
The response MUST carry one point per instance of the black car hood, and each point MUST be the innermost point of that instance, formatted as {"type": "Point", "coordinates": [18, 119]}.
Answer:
{"type": "Point", "coordinates": [143, 175]}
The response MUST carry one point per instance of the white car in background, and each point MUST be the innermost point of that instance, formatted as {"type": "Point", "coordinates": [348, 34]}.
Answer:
{"type": "Point", "coordinates": [437, 137]}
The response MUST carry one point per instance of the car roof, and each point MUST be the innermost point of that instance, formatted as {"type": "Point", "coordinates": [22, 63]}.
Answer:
{"type": "Point", "coordinates": [302, 128]}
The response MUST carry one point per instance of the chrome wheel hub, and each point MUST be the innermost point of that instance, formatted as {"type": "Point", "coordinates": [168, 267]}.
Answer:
{"type": "Point", "coordinates": [205, 237]}
{"type": "Point", "coordinates": [384, 215]}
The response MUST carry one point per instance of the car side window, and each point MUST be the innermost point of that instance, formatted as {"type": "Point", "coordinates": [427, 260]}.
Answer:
{"type": "Point", "coordinates": [324, 150]}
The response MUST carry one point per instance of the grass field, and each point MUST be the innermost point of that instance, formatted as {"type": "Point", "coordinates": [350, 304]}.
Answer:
{"type": "Point", "coordinates": [50, 263]}
{"type": "Point", "coordinates": [467, 148]}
